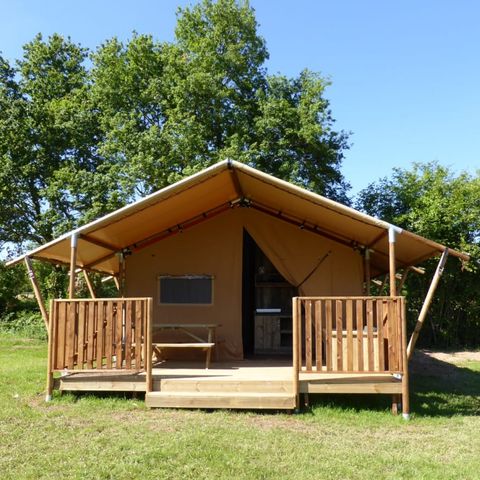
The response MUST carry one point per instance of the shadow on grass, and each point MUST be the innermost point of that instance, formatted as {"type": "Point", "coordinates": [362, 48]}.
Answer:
{"type": "Point", "coordinates": [437, 389]}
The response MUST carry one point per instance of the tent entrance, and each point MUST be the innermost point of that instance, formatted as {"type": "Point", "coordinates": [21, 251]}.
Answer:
{"type": "Point", "coordinates": [267, 305]}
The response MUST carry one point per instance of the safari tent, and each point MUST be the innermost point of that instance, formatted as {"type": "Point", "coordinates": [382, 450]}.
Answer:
{"type": "Point", "coordinates": [236, 289]}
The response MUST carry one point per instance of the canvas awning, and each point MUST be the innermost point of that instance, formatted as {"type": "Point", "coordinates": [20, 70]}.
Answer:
{"type": "Point", "coordinates": [225, 185]}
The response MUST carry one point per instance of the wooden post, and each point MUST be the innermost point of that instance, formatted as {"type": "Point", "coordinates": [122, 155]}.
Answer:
{"type": "Point", "coordinates": [367, 271]}
{"type": "Point", "coordinates": [48, 396]}
{"type": "Point", "coordinates": [405, 377]}
{"type": "Point", "coordinates": [148, 342]}
{"type": "Point", "coordinates": [36, 290]}
{"type": "Point", "coordinates": [73, 263]}
{"type": "Point", "coordinates": [426, 304]}
{"type": "Point", "coordinates": [392, 233]}
{"type": "Point", "coordinates": [296, 349]}
{"type": "Point", "coordinates": [392, 237]}
{"type": "Point", "coordinates": [89, 284]}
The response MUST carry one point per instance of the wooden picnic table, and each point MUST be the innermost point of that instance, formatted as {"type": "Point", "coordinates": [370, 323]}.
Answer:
{"type": "Point", "coordinates": [186, 328]}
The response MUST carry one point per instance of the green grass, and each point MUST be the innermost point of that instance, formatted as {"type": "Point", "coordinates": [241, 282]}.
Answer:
{"type": "Point", "coordinates": [115, 436]}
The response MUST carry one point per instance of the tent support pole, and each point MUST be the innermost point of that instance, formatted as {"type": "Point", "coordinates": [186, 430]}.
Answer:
{"type": "Point", "coordinates": [36, 290]}
{"type": "Point", "coordinates": [73, 263]}
{"type": "Point", "coordinates": [392, 234]}
{"type": "Point", "coordinates": [426, 304]}
{"type": "Point", "coordinates": [89, 284]}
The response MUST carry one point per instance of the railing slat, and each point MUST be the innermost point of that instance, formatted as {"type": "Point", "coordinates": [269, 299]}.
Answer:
{"type": "Point", "coordinates": [371, 358]}
{"type": "Point", "coordinates": [380, 348]}
{"type": "Point", "coordinates": [100, 329]}
{"type": "Point", "coordinates": [318, 336]}
{"type": "Point", "coordinates": [391, 339]}
{"type": "Point", "coordinates": [128, 334]}
{"type": "Point", "coordinates": [91, 334]}
{"type": "Point", "coordinates": [339, 330]}
{"type": "Point", "coordinates": [109, 335]}
{"type": "Point", "coordinates": [349, 314]}
{"type": "Point", "coordinates": [359, 310]}
{"type": "Point", "coordinates": [308, 335]}
{"type": "Point", "coordinates": [139, 315]}
{"type": "Point", "coordinates": [119, 334]}
{"type": "Point", "coordinates": [328, 324]}
{"type": "Point", "coordinates": [81, 335]}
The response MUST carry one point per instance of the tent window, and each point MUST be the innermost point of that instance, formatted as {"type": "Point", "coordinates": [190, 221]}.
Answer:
{"type": "Point", "coordinates": [186, 290]}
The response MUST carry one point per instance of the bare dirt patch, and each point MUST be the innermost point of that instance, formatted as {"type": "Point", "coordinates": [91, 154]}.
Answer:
{"type": "Point", "coordinates": [427, 362]}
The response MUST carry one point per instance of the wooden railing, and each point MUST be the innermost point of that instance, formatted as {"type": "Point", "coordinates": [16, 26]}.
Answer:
{"type": "Point", "coordinates": [349, 334]}
{"type": "Point", "coordinates": [100, 334]}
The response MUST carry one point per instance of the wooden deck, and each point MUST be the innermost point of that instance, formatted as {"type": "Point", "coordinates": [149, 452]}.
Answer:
{"type": "Point", "coordinates": [249, 384]}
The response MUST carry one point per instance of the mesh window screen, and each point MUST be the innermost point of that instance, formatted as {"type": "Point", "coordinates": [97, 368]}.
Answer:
{"type": "Point", "coordinates": [187, 289]}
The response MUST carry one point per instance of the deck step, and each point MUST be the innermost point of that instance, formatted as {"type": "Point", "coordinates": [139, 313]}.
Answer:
{"type": "Point", "coordinates": [247, 400]}
{"type": "Point", "coordinates": [219, 385]}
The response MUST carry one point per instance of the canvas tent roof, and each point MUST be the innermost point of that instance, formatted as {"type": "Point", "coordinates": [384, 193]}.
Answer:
{"type": "Point", "coordinates": [230, 184]}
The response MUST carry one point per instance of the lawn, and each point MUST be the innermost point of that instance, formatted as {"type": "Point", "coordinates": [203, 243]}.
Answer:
{"type": "Point", "coordinates": [115, 436]}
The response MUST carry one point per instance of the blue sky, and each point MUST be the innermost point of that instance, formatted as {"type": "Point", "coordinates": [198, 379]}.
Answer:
{"type": "Point", "coordinates": [405, 74]}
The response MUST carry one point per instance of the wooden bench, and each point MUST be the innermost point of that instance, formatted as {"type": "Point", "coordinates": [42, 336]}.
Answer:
{"type": "Point", "coordinates": [199, 343]}
{"type": "Point", "coordinates": [158, 347]}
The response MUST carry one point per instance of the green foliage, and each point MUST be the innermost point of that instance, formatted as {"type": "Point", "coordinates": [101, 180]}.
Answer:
{"type": "Point", "coordinates": [82, 133]}
{"type": "Point", "coordinates": [431, 201]}
{"type": "Point", "coordinates": [24, 324]}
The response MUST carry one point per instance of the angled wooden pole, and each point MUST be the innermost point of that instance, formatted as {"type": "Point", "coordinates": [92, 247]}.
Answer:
{"type": "Point", "coordinates": [36, 290]}
{"type": "Point", "coordinates": [89, 284]}
{"type": "Point", "coordinates": [404, 277]}
{"type": "Point", "coordinates": [117, 283]}
{"type": "Point", "coordinates": [73, 263]}
{"type": "Point", "coordinates": [426, 304]}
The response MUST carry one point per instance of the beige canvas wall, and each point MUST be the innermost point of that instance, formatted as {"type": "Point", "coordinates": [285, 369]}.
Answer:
{"type": "Point", "coordinates": [215, 248]}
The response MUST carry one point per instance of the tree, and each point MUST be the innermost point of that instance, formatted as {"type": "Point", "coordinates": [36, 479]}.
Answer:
{"type": "Point", "coordinates": [169, 110]}
{"type": "Point", "coordinates": [431, 201]}
{"type": "Point", "coordinates": [80, 139]}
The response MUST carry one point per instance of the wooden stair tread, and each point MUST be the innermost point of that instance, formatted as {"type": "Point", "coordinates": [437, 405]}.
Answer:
{"type": "Point", "coordinates": [246, 400]}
